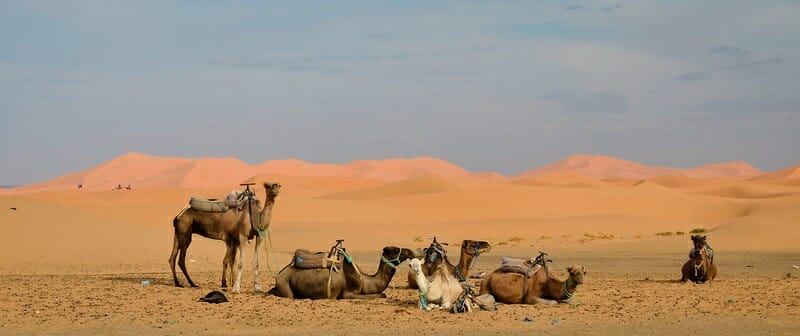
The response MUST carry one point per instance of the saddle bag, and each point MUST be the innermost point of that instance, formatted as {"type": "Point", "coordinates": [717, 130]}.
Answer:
{"type": "Point", "coordinates": [208, 205]}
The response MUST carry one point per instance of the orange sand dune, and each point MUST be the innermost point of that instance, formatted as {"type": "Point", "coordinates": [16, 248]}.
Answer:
{"type": "Point", "coordinates": [790, 174]}
{"type": "Point", "coordinates": [606, 167]}
{"type": "Point", "coordinates": [562, 178]}
{"type": "Point", "coordinates": [727, 169]}
{"type": "Point", "coordinates": [413, 186]}
{"type": "Point", "coordinates": [602, 167]}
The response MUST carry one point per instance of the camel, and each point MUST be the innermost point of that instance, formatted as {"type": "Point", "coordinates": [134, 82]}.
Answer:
{"type": "Point", "coordinates": [507, 287]}
{"type": "Point", "coordinates": [470, 250]}
{"type": "Point", "coordinates": [348, 282]}
{"type": "Point", "coordinates": [234, 227]}
{"type": "Point", "coordinates": [700, 267]}
{"type": "Point", "coordinates": [440, 290]}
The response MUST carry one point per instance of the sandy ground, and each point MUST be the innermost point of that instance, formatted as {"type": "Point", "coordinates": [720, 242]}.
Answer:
{"type": "Point", "coordinates": [72, 262]}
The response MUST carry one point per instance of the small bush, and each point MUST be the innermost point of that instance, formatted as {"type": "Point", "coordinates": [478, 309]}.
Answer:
{"type": "Point", "coordinates": [502, 243]}
{"type": "Point", "coordinates": [516, 239]}
{"type": "Point", "coordinates": [665, 234]}
{"type": "Point", "coordinates": [697, 230]}
{"type": "Point", "coordinates": [418, 239]}
{"type": "Point", "coordinates": [680, 233]}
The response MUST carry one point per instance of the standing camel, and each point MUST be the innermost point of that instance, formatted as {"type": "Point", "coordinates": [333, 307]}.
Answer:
{"type": "Point", "coordinates": [470, 250]}
{"type": "Point", "coordinates": [700, 267]}
{"type": "Point", "coordinates": [234, 227]}
{"type": "Point", "coordinates": [541, 287]}
{"type": "Point", "coordinates": [346, 283]}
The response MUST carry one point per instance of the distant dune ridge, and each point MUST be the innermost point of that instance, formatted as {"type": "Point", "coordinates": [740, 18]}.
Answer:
{"type": "Point", "coordinates": [145, 171]}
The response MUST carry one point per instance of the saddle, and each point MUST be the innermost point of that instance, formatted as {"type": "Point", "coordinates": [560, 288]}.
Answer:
{"type": "Point", "coordinates": [521, 266]}
{"type": "Point", "coordinates": [308, 259]}
{"type": "Point", "coordinates": [234, 200]}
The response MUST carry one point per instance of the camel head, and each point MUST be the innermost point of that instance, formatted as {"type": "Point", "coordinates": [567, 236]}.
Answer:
{"type": "Point", "coordinates": [272, 188]}
{"type": "Point", "coordinates": [576, 273]}
{"type": "Point", "coordinates": [699, 241]}
{"type": "Point", "coordinates": [396, 255]}
{"type": "Point", "coordinates": [415, 265]}
{"type": "Point", "coordinates": [475, 247]}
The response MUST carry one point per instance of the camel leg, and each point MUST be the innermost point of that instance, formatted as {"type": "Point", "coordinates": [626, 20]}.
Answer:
{"type": "Point", "coordinates": [256, 284]}
{"type": "Point", "coordinates": [546, 301]}
{"type": "Point", "coordinates": [226, 264]}
{"type": "Point", "coordinates": [239, 259]}
{"type": "Point", "coordinates": [182, 259]}
{"type": "Point", "coordinates": [172, 257]}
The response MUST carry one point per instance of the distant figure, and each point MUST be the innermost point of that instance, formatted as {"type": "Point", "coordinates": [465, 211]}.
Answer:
{"type": "Point", "coordinates": [128, 187]}
{"type": "Point", "coordinates": [119, 186]}
{"type": "Point", "coordinates": [13, 208]}
{"type": "Point", "coordinates": [80, 185]}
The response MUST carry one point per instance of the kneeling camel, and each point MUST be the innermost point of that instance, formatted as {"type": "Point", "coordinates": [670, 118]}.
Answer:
{"type": "Point", "coordinates": [541, 287]}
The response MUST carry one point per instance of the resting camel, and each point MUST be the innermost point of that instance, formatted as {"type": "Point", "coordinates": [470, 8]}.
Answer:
{"type": "Point", "coordinates": [234, 227]}
{"type": "Point", "coordinates": [440, 290]}
{"type": "Point", "coordinates": [470, 250]}
{"type": "Point", "coordinates": [507, 287]}
{"type": "Point", "coordinates": [348, 283]}
{"type": "Point", "coordinates": [700, 267]}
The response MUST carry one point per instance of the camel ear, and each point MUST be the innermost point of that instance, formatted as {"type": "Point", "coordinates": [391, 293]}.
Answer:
{"type": "Point", "coordinates": [569, 269]}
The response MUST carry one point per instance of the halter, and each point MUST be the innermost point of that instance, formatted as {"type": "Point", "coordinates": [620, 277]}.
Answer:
{"type": "Point", "coordinates": [475, 252]}
{"type": "Point", "coordinates": [389, 262]}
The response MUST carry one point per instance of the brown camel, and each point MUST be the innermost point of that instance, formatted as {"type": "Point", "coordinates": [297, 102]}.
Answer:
{"type": "Point", "coordinates": [348, 283]}
{"type": "Point", "coordinates": [470, 250]}
{"type": "Point", "coordinates": [234, 227]}
{"type": "Point", "coordinates": [507, 287]}
{"type": "Point", "coordinates": [700, 267]}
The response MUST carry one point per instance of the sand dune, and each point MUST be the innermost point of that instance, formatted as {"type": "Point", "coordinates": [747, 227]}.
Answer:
{"type": "Point", "coordinates": [560, 178]}
{"type": "Point", "coordinates": [727, 169]}
{"type": "Point", "coordinates": [419, 185]}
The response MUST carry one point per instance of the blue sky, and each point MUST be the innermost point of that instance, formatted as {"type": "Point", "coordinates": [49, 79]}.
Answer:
{"type": "Point", "coordinates": [501, 86]}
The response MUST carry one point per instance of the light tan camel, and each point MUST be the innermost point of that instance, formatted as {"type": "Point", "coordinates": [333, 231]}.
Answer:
{"type": "Point", "coordinates": [470, 250]}
{"type": "Point", "coordinates": [511, 287]}
{"type": "Point", "coordinates": [234, 227]}
{"type": "Point", "coordinates": [348, 283]}
{"type": "Point", "coordinates": [440, 290]}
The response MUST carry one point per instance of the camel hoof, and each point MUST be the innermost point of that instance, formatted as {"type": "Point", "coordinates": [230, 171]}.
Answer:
{"type": "Point", "coordinates": [194, 286]}
{"type": "Point", "coordinates": [178, 285]}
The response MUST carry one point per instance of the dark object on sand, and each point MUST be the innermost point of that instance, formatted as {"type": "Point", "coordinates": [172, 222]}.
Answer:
{"type": "Point", "coordinates": [214, 297]}
{"type": "Point", "coordinates": [13, 208]}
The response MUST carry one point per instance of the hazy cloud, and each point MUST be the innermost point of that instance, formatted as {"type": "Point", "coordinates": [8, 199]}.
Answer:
{"type": "Point", "coordinates": [603, 9]}
{"type": "Point", "coordinates": [589, 102]}
{"type": "Point", "coordinates": [730, 52]}
{"type": "Point", "coordinates": [753, 64]}
{"type": "Point", "coordinates": [693, 76]}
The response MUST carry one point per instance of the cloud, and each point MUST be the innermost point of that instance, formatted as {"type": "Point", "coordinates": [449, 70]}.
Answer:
{"type": "Point", "coordinates": [754, 64]}
{"type": "Point", "coordinates": [589, 102]}
{"type": "Point", "coordinates": [693, 76]}
{"type": "Point", "coordinates": [603, 9]}
{"type": "Point", "coordinates": [730, 52]}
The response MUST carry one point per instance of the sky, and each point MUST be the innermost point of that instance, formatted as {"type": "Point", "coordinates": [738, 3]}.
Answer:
{"type": "Point", "coordinates": [501, 86]}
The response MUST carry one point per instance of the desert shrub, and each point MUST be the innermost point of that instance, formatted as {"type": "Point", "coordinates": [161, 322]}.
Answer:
{"type": "Point", "coordinates": [665, 234]}
{"type": "Point", "coordinates": [418, 239]}
{"type": "Point", "coordinates": [697, 230]}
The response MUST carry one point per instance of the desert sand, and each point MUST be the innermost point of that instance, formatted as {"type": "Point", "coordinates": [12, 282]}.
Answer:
{"type": "Point", "coordinates": [72, 261]}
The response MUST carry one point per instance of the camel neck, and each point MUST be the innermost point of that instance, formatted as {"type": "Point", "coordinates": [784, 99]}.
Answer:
{"type": "Point", "coordinates": [377, 283]}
